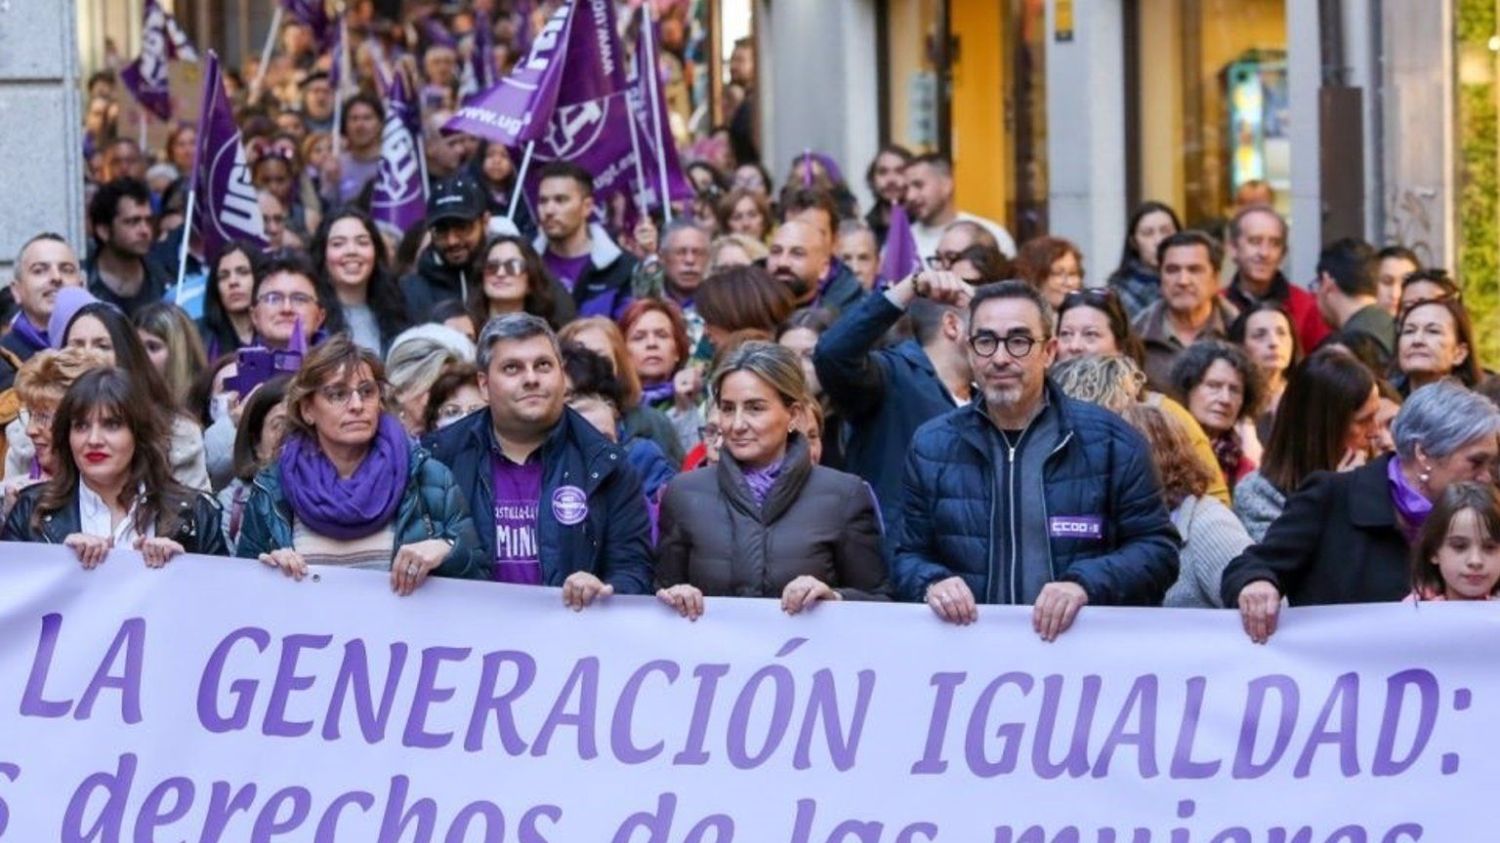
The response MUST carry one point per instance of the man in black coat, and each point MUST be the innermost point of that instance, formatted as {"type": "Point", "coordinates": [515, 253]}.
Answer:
{"type": "Point", "coordinates": [458, 216]}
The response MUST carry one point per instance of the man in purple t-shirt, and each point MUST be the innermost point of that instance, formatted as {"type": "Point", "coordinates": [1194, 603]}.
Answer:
{"type": "Point", "coordinates": [580, 255]}
{"type": "Point", "coordinates": [518, 489]}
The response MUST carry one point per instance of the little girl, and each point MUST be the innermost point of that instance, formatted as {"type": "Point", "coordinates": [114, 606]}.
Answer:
{"type": "Point", "coordinates": [1457, 555]}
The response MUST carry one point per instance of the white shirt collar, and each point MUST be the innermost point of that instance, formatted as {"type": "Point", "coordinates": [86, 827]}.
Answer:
{"type": "Point", "coordinates": [94, 518]}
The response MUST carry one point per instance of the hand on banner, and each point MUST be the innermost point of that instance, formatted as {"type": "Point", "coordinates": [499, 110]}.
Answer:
{"type": "Point", "coordinates": [802, 592]}
{"type": "Point", "coordinates": [952, 600]}
{"type": "Point", "coordinates": [582, 589]}
{"type": "Point", "coordinates": [91, 550]}
{"type": "Point", "coordinates": [414, 562]}
{"type": "Point", "coordinates": [686, 599]}
{"type": "Point", "coordinates": [289, 561]}
{"type": "Point", "coordinates": [158, 551]}
{"type": "Point", "coordinates": [1260, 607]}
{"type": "Point", "coordinates": [1056, 608]}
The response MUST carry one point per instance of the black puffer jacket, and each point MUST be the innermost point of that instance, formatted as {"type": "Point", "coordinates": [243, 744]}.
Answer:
{"type": "Point", "coordinates": [815, 521]}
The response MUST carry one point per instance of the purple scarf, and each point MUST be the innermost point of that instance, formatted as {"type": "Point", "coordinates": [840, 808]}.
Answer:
{"type": "Point", "coordinates": [760, 480]}
{"type": "Point", "coordinates": [346, 509]}
{"type": "Point", "coordinates": [1410, 503]}
{"type": "Point", "coordinates": [34, 337]}
{"type": "Point", "coordinates": [653, 394]}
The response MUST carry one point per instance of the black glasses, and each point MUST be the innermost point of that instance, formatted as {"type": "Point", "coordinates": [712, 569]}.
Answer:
{"type": "Point", "coordinates": [986, 343]}
{"type": "Point", "coordinates": [277, 299]}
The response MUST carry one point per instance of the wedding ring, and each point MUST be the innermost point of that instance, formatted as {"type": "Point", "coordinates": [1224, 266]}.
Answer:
{"type": "Point", "coordinates": [411, 570]}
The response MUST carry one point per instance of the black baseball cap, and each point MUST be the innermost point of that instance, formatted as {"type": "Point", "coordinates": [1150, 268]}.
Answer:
{"type": "Point", "coordinates": [457, 198]}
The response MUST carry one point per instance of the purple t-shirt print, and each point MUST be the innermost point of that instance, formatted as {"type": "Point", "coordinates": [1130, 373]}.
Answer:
{"type": "Point", "coordinates": [518, 492]}
{"type": "Point", "coordinates": [566, 270]}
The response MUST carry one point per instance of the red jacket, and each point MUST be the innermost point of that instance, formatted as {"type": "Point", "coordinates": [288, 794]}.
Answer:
{"type": "Point", "coordinates": [1301, 305]}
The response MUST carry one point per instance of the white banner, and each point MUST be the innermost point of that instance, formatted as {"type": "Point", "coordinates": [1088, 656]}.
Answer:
{"type": "Point", "coordinates": [215, 700]}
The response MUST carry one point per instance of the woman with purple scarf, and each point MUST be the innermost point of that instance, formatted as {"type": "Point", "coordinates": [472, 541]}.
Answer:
{"type": "Point", "coordinates": [766, 521]}
{"type": "Point", "coordinates": [350, 489]}
{"type": "Point", "coordinates": [1346, 537]}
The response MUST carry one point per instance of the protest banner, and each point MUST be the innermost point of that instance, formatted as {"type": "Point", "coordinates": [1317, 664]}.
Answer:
{"type": "Point", "coordinates": [217, 700]}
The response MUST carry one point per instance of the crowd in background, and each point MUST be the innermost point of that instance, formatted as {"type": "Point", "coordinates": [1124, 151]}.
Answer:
{"type": "Point", "coordinates": [738, 402]}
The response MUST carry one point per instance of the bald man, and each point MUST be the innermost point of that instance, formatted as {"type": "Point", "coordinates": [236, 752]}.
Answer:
{"type": "Point", "coordinates": [800, 257]}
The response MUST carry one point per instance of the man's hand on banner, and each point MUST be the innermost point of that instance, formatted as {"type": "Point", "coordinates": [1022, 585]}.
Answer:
{"type": "Point", "coordinates": [582, 588]}
{"type": "Point", "coordinates": [686, 599]}
{"type": "Point", "coordinates": [1056, 608]}
{"type": "Point", "coordinates": [1260, 608]}
{"type": "Point", "coordinates": [804, 591]}
{"type": "Point", "coordinates": [952, 600]}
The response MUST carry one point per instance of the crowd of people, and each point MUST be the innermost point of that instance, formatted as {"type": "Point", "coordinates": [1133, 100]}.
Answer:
{"type": "Point", "coordinates": [735, 403]}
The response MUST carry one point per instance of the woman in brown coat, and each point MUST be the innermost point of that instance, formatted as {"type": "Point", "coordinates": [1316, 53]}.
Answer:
{"type": "Point", "coordinates": [766, 522]}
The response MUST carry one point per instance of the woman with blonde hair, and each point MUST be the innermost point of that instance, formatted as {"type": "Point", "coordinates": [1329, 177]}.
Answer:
{"type": "Point", "coordinates": [418, 357]}
{"type": "Point", "coordinates": [40, 385]}
{"type": "Point", "coordinates": [730, 250]}
{"type": "Point", "coordinates": [172, 342]}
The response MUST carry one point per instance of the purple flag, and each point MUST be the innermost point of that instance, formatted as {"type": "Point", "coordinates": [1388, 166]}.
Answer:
{"type": "Point", "coordinates": [650, 113]}
{"type": "Point", "coordinates": [479, 71]}
{"type": "Point", "coordinates": [398, 202]}
{"type": "Point", "coordinates": [574, 61]}
{"type": "Point", "coordinates": [226, 206]}
{"type": "Point", "coordinates": [437, 34]}
{"type": "Point", "coordinates": [312, 14]}
{"type": "Point", "coordinates": [900, 258]}
{"type": "Point", "coordinates": [162, 40]}
{"type": "Point", "coordinates": [336, 68]}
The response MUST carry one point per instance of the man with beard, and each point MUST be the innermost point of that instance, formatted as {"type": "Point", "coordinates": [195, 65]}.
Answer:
{"type": "Point", "coordinates": [567, 507]}
{"type": "Point", "coordinates": [121, 222]}
{"type": "Point", "coordinates": [1027, 496]}
{"type": "Point", "coordinates": [801, 257]}
{"type": "Point", "coordinates": [838, 287]}
{"type": "Point", "coordinates": [887, 180]}
{"type": "Point", "coordinates": [1257, 239]}
{"type": "Point", "coordinates": [578, 252]}
{"type": "Point", "coordinates": [456, 216]}
{"type": "Point", "coordinates": [930, 202]}
{"type": "Point", "coordinates": [45, 265]}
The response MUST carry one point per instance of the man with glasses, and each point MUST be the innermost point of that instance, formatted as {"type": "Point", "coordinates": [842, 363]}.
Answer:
{"type": "Point", "coordinates": [1028, 497]}
{"type": "Point", "coordinates": [568, 510]}
{"type": "Point", "coordinates": [884, 393]}
{"type": "Point", "coordinates": [457, 216]}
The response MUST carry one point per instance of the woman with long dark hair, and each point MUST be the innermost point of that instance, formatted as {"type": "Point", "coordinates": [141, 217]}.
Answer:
{"type": "Point", "coordinates": [516, 280]}
{"type": "Point", "coordinates": [113, 487]}
{"type": "Point", "coordinates": [351, 258]}
{"type": "Point", "coordinates": [228, 300]}
{"type": "Point", "coordinates": [1137, 278]}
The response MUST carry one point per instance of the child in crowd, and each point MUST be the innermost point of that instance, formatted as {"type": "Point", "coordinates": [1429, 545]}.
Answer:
{"type": "Point", "coordinates": [1457, 555]}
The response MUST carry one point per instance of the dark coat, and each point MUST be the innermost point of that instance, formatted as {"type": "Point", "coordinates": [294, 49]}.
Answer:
{"type": "Point", "coordinates": [433, 282]}
{"type": "Point", "coordinates": [1101, 468]}
{"type": "Point", "coordinates": [883, 395]}
{"type": "Point", "coordinates": [432, 507]}
{"type": "Point", "coordinates": [612, 541]}
{"type": "Point", "coordinates": [196, 524]}
{"type": "Point", "coordinates": [1336, 541]}
{"type": "Point", "coordinates": [842, 291]}
{"type": "Point", "coordinates": [815, 521]}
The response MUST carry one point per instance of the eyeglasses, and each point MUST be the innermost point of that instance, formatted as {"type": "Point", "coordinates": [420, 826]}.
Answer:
{"type": "Point", "coordinates": [338, 394]}
{"type": "Point", "coordinates": [43, 419]}
{"type": "Point", "coordinates": [1095, 297]}
{"type": "Point", "coordinates": [944, 260]}
{"type": "Point", "coordinates": [278, 299]}
{"type": "Point", "coordinates": [509, 266]}
{"type": "Point", "coordinates": [986, 343]}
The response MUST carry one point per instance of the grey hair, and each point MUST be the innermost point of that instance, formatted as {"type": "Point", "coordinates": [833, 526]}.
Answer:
{"type": "Point", "coordinates": [414, 365]}
{"type": "Point", "coordinates": [1113, 381]}
{"type": "Point", "coordinates": [513, 326]}
{"type": "Point", "coordinates": [1443, 417]}
{"type": "Point", "coordinates": [677, 226]}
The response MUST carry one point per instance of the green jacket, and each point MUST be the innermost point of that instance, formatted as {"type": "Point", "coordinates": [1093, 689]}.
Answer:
{"type": "Point", "coordinates": [431, 508]}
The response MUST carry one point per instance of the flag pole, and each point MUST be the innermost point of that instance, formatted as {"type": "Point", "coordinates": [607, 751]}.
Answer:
{"type": "Point", "coordinates": [338, 91]}
{"type": "Point", "coordinates": [653, 72]}
{"type": "Point", "coordinates": [515, 195]}
{"type": "Point", "coordinates": [265, 53]}
{"type": "Point", "coordinates": [640, 171]}
{"type": "Point", "coordinates": [141, 128]}
{"type": "Point", "coordinates": [187, 236]}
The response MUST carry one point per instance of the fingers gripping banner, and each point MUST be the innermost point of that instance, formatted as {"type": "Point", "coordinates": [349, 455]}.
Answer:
{"type": "Point", "coordinates": [216, 700]}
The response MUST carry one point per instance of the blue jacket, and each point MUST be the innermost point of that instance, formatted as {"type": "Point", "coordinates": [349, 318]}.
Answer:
{"type": "Point", "coordinates": [613, 539]}
{"type": "Point", "coordinates": [430, 508]}
{"type": "Point", "coordinates": [1100, 468]}
{"type": "Point", "coordinates": [883, 396]}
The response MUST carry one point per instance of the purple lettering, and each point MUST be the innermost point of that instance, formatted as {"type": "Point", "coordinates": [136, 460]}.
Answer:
{"type": "Point", "coordinates": [494, 823]}
{"type": "Point", "coordinates": [268, 824]}
{"type": "Point", "coordinates": [823, 704]}
{"type": "Point", "coordinates": [288, 681]}
{"type": "Point", "coordinates": [1344, 698]}
{"type": "Point", "coordinates": [1396, 686]}
{"type": "Point", "coordinates": [1183, 765]}
{"type": "Point", "coordinates": [153, 817]}
{"type": "Point", "coordinates": [243, 690]}
{"type": "Point", "coordinates": [33, 704]}
{"type": "Point", "coordinates": [222, 806]}
{"type": "Point", "coordinates": [428, 693]}
{"type": "Point", "coordinates": [487, 701]}
{"type": "Point", "coordinates": [657, 824]}
{"type": "Point", "coordinates": [397, 815]}
{"type": "Point", "coordinates": [584, 682]}
{"type": "Point", "coordinates": [932, 761]}
{"type": "Point", "coordinates": [708, 676]}
{"type": "Point", "coordinates": [328, 824]}
{"type": "Point", "coordinates": [116, 789]}
{"type": "Point", "coordinates": [12, 772]}
{"type": "Point", "coordinates": [355, 671]}
{"type": "Point", "coordinates": [1411, 831]}
{"type": "Point", "coordinates": [529, 831]}
{"type": "Point", "coordinates": [1245, 765]}
{"type": "Point", "coordinates": [1076, 762]}
{"type": "Point", "coordinates": [132, 639]}
{"type": "Point", "coordinates": [744, 705]}
{"type": "Point", "coordinates": [621, 741]}
{"type": "Point", "coordinates": [1349, 834]}
{"type": "Point", "coordinates": [1009, 734]}
{"type": "Point", "coordinates": [1141, 704]}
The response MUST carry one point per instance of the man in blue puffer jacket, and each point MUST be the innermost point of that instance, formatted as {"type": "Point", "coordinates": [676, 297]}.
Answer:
{"type": "Point", "coordinates": [1027, 496]}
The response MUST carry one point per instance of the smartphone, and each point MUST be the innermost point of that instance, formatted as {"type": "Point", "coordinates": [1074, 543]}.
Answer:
{"type": "Point", "coordinates": [256, 365]}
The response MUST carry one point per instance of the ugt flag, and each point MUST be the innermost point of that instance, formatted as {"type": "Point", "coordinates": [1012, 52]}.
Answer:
{"type": "Point", "coordinates": [162, 40]}
{"type": "Point", "coordinates": [397, 202]}
{"type": "Point", "coordinates": [575, 59]}
{"type": "Point", "coordinates": [226, 208]}
{"type": "Point", "coordinates": [648, 101]}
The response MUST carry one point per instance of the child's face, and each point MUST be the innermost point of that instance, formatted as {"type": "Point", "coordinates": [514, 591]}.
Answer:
{"type": "Point", "coordinates": [1468, 560]}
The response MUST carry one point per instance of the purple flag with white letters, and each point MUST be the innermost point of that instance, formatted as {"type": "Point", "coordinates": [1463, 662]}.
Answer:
{"type": "Point", "coordinates": [162, 40]}
{"type": "Point", "coordinates": [575, 61]}
{"type": "Point", "coordinates": [226, 206]}
{"type": "Point", "coordinates": [399, 201]}
{"type": "Point", "coordinates": [901, 257]}
{"type": "Point", "coordinates": [312, 14]}
{"type": "Point", "coordinates": [650, 108]}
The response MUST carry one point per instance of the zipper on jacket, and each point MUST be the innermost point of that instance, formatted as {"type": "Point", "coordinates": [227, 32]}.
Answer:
{"type": "Point", "coordinates": [1046, 515]}
{"type": "Point", "coordinates": [1010, 505]}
